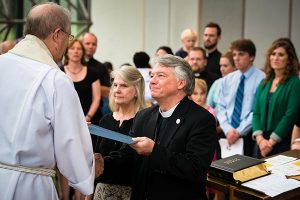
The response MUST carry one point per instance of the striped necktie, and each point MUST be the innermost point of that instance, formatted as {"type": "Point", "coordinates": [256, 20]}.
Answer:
{"type": "Point", "coordinates": [236, 115]}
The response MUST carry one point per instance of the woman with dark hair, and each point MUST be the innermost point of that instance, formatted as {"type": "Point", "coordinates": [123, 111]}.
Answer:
{"type": "Point", "coordinates": [85, 80]}
{"type": "Point", "coordinates": [277, 100]}
{"type": "Point", "coordinates": [163, 50]}
{"type": "Point", "coordinates": [288, 40]}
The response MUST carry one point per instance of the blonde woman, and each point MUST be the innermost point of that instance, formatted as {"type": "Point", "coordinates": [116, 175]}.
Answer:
{"type": "Point", "coordinates": [126, 98]}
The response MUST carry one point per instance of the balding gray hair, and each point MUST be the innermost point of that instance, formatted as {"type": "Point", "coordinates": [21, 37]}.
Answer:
{"type": "Point", "coordinates": [43, 19]}
{"type": "Point", "coordinates": [183, 70]}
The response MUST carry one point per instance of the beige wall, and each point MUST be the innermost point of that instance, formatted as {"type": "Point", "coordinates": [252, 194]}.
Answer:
{"type": "Point", "coordinates": [295, 25]}
{"type": "Point", "coordinates": [265, 23]}
{"type": "Point", "coordinates": [124, 27]}
{"type": "Point", "coordinates": [228, 15]}
{"type": "Point", "coordinates": [127, 26]}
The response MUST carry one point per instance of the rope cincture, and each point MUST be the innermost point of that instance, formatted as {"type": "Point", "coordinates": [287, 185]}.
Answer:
{"type": "Point", "coordinates": [31, 170]}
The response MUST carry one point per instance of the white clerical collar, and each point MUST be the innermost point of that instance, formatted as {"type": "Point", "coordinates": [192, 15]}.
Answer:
{"type": "Point", "coordinates": [168, 113]}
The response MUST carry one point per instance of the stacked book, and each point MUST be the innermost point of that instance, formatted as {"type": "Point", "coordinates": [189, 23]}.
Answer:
{"type": "Point", "coordinates": [238, 169]}
{"type": "Point", "coordinates": [243, 171]}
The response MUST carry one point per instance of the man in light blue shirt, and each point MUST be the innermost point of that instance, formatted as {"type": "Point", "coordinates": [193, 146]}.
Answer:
{"type": "Point", "coordinates": [243, 54]}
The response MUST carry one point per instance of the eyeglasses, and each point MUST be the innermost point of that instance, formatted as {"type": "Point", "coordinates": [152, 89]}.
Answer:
{"type": "Point", "coordinates": [71, 37]}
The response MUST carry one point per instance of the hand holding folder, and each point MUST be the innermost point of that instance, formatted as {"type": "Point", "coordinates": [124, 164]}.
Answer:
{"type": "Point", "coordinates": [142, 145]}
{"type": "Point", "coordinates": [106, 133]}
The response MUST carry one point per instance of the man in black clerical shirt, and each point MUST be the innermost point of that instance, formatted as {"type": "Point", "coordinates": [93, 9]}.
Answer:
{"type": "Point", "coordinates": [175, 140]}
{"type": "Point", "coordinates": [211, 37]}
{"type": "Point", "coordinates": [198, 62]}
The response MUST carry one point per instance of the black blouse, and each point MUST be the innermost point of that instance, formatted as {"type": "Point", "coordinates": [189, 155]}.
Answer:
{"type": "Point", "coordinates": [85, 92]}
{"type": "Point", "coordinates": [104, 145]}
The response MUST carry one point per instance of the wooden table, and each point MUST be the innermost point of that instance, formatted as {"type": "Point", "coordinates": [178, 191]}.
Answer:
{"type": "Point", "coordinates": [239, 192]}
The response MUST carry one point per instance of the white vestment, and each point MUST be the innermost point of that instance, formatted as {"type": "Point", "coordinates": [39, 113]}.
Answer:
{"type": "Point", "coordinates": [41, 125]}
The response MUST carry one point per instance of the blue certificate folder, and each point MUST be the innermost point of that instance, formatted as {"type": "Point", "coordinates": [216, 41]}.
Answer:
{"type": "Point", "coordinates": [106, 133]}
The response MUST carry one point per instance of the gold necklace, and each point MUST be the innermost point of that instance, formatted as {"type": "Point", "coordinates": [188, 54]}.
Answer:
{"type": "Point", "coordinates": [73, 72]}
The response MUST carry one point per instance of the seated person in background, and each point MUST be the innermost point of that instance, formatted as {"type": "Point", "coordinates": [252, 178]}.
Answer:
{"type": "Point", "coordinates": [277, 100]}
{"type": "Point", "coordinates": [188, 39]}
{"type": "Point", "coordinates": [163, 50]}
{"type": "Point", "coordinates": [126, 98]}
{"type": "Point", "coordinates": [226, 66]}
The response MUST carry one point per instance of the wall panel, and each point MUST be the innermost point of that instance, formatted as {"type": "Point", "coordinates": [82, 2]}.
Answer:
{"type": "Point", "coordinates": [295, 29]}
{"type": "Point", "coordinates": [124, 27]}
{"type": "Point", "coordinates": [228, 14]}
{"type": "Point", "coordinates": [265, 21]}
{"type": "Point", "coordinates": [119, 26]}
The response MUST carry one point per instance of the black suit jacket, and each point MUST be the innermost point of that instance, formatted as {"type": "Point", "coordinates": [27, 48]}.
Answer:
{"type": "Point", "coordinates": [178, 165]}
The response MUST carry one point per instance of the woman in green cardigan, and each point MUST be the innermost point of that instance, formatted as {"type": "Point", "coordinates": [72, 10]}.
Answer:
{"type": "Point", "coordinates": [277, 100]}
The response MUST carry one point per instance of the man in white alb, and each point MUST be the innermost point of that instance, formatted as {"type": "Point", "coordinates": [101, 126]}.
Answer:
{"type": "Point", "coordinates": [41, 121]}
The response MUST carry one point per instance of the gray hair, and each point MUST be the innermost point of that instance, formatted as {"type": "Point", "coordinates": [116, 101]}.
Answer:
{"type": "Point", "coordinates": [183, 70]}
{"type": "Point", "coordinates": [131, 76]}
{"type": "Point", "coordinates": [43, 19]}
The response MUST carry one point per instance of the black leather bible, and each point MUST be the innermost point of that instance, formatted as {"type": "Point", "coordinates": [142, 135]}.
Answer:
{"type": "Point", "coordinates": [238, 168]}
